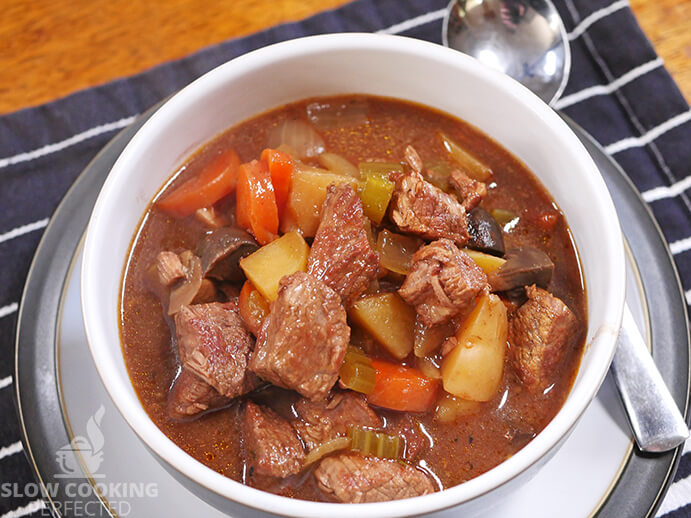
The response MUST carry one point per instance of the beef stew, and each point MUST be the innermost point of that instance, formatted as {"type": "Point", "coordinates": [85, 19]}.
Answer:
{"type": "Point", "coordinates": [352, 299]}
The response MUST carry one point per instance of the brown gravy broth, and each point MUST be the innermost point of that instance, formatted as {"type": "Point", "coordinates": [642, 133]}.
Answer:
{"type": "Point", "coordinates": [460, 451]}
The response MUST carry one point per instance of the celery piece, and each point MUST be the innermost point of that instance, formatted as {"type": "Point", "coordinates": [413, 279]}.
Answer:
{"type": "Point", "coordinates": [375, 192]}
{"type": "Point", "coordinates": [357, 372]}
{"type": "Point", "coordinates": [378, 444]}
{"type": "Point", "coordinates": [379, 168]}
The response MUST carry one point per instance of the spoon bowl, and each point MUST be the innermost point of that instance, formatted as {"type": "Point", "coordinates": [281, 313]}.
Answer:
{"type": "Point", "coordinates": [525, 39]}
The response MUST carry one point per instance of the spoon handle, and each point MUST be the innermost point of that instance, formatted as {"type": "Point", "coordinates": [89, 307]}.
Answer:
{"type": "Point", "coordinates": [657, 424]}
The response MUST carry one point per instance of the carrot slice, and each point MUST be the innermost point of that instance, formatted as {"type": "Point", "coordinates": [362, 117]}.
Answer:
{"type": "Point", "coordinates": [216, 180]}
{"type": "Point", "coordinates": [281, 169]}
{"type": "Point", "coordinates": [255, 208]}
{"type": "Point", "coordinates": [402, 388]}
{"type": "Point", "coordinates": [253, 307]}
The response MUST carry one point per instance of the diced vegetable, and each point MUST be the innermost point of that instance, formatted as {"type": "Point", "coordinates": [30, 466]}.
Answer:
{"type": "Point", "coordinates": [428, 367]}
{"type": "Point", "coordinates": [324, 449]}
{"type": "Point", "coordinates": [524, 266]}
{"type": "Point", "coordinates": [268, 265]}
{"type": "Point", "coordinates": [377, 444]}
{"type": "Point", "coordinates": [327, 115]}
{"type": "Point", "coordinates": [473, 369]}
{"type": "Point", "coordinates": [485, 232]}
{"type": "Point", "coordinates": [307, 196]}
{"type": "Point", "coordinates": [402, 388]}
{"type": "Point", "coordinates": [507, 219]}
{"type": "Point", "coordinates": [396, 251]}
{"type": "Point", "coordinates": [389, 320]}
{"type": "Point", "coordinates": [379, 168]}
{"type": "Point", "coordinates": [186, 291]}
{"type": "Point", "coordinates": [256, 208]}
{"type": "Point", "coordinates": [487, 262]}
{"type": "Point", "coordinates": [471, 165]}
{"type": "Point", "coordinates": [375, 192]}
{"type": "Point", "coordinates": [450, 408]}
{"type": "Point", "coordinates": [299, 136]}
{"type": "Point", "coordinates": [281, 167]}
{"type": "Point", "coordinates": [437, 173]}
{"type": "Point", "coordinates": [213, 182]}
{"type": "Point", "coordinates": [254, 308]}
{"type": "Point", "coordinates": [429, 339]}
{"type": "Point", "coordinates": [357, 372]}
{"type": "Point", "coordinates": [339, 165]}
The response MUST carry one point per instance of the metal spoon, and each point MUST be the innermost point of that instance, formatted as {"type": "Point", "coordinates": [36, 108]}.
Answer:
{"type": "Point", "coordinates": [526, 40]}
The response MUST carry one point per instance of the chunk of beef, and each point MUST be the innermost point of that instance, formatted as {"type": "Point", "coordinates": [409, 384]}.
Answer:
{"type": "Point", "coordinates": [271, 446]}
{"type": "Point", "coordinates": [303, 341]}
{"type": "Point", "coordinates": [540, 332]}
{"type": "Point", "coordinates": [357, 479]}
{"type": "Point", "coordinates": [190, 396]}
{"type": "Point", "coordinates": [443, 281]}
{"type": "Point", "coordinates": [420, 208]}
{"type": "Point", "coordinates": [214, 344]}
{"type": "Point", "coordinates": [341, 254]}
{"type": "Point", "coordinates": [169, 268]}
{"type": "Point", "coordinates": [321, 421]}
{"type": "Point", "coordinates": [471, 191]}
{"type": "Point", "coordinates": [413, 159]}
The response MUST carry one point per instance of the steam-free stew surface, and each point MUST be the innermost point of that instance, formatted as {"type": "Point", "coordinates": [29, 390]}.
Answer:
{"type": "Point", "coordinates": [458, 451]}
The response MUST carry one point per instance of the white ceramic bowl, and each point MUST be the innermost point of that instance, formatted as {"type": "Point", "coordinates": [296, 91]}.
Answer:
{"type": "Point", "coordinates": [354, 63]}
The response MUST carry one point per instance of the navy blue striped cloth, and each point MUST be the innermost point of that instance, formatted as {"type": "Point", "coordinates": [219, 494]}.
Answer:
{"type": "Point", "coordinates": [619, 91]}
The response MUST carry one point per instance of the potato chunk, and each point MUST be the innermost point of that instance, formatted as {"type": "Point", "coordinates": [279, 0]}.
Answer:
{"type": "Point", "coordinates": [307, 194]}
{"type": "Point", "coordinates": [389, 320]}
{"type": "Point", "coordinates": [474, 368]}
{"type": "Point", "coordinates": [268, 265]}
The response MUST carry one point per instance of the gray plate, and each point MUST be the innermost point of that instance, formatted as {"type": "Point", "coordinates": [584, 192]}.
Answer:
{"type": "Point", "coordinates": [639, 489]}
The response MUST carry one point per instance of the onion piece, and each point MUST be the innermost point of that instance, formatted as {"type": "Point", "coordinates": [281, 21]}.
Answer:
{"type": "Point", "coordinates": [472, 167]}
{"type": "Point", "coordinates": [339, 165]}
{"type": "Point", "coordinates": [186, 292]}
{"type": "Point", "coordinates": [327, 115]}
{"type": "Point", "coordinates": [299, 136]}
{"type": "Point", "coordinates": [339, 443]}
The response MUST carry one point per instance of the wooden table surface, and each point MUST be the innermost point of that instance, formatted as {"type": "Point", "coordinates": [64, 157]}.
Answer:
{"type": "Point", "coordinates": [50, 48]}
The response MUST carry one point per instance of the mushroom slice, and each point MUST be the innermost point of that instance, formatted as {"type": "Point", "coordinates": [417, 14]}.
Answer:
{"type": "Point", "coordinates": [524, 266]}
{"type": "Point", "coordinates": [221, 251]}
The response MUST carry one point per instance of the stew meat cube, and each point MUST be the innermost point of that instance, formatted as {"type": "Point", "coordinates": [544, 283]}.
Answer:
{"type": "Point", "coordinates": [271, 446]}
{"type": "Point", "coordinates": [341, 254]}
{"type": "Point", "coordinates": [420, 208]}
{"type": "Point", "coordinates": [214, 344]}
{"type": "Point", "coordinates": [191, 395]}
{"type": "Point", "coordinates": [358, 479]}
{"type": "Point", "coordinates": [540, 332]}
{"type": "Point", "coordinates": [303, 341]}
{"type": "Point", "coordinates": [443, 282]}
{"type": "Point", "coordinates": [471, 191]}
{"type": "Point", "coordinates": [321, 421]}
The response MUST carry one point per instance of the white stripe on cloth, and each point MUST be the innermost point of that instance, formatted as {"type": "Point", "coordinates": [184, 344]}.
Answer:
{"type": "Point", "coordinates": [26, 510]}
{"type": "Point", "coordinates": [13, 448]}
{"type": "Point", "coordinates": [8, 310]}
{"type": "Point", "coordinates": [24, 229]}
{"type": "Point", "coordinates": [677, 496]}
{"type": "Point", "coordinates": [5, 382]}
{"type": "Point", "coordinates": [667, 191]}
{"type": "Point", "coordinates": [596, 16]}
{"type": "Point", "coordinates": [649, 135]}
{"type": "Point", "coordinates": [688, 297]}
{"type": "Point", "coordinates": [680, 246]}
{"type": "Point", "coordinates": [59, 146]}
{"type": "Point", "coordinates": [592, 91]}
{"type": "Point", "coordinates": [414, 22]}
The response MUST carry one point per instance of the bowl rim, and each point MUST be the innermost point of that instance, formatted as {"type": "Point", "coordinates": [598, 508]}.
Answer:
{"type": "Point", "coordinates": [166, 450]}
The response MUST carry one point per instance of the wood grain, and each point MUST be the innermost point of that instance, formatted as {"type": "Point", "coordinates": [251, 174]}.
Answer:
{"type": "Point", "coordinates": [50, 48]}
